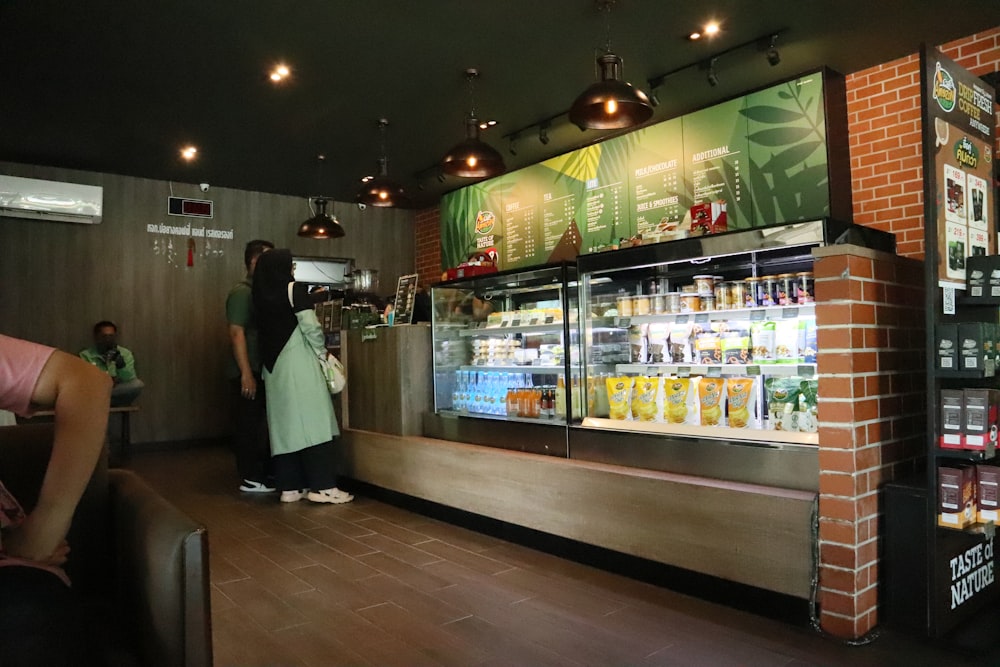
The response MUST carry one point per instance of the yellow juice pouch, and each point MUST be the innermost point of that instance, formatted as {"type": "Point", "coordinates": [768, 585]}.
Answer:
{"type": "Point", "coordinates": [675, 399]}
{"type": "Point", "coordinates": [711, 394]}
{"type": "Point", "coordinates": [740, 398]}
{"type": "Point", "coordinates": [644, 397]}
{"type": "Point", "coordinates": [619, 396]}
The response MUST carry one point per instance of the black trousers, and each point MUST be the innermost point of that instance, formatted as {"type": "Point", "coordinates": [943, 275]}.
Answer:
{"type": "Point", "coordinates": [42, 622]}
{"type": "Point", "coordinates": [250, 441]}
{"type": "Point", "coordinates": [311, 468]}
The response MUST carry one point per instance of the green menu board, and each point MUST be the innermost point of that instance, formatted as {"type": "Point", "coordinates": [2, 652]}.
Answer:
{"type": "Point", "coordinates": [522, 217]}
{"type": "Point", "coordinates": [716, 152]}
{"type": "Point", "coordinates": [658, 199]}
{"type": "Point", "coordinates": [787, 164]}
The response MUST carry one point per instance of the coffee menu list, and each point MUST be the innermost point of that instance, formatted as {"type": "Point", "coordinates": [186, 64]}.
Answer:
{"type": "Point", "coordinates": [643, 182]}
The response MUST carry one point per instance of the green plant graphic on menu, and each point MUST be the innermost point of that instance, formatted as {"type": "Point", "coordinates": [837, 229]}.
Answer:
{"type": "Point", "coordinates": [788, 158]}
{"type": "Point", "coordinates": [458, 219]}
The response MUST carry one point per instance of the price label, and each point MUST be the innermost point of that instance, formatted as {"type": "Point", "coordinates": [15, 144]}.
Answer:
{"type": "Point", "coordinates": [701, 318]}
{"type": "Point", "coordinates": [534, 321]}
{"type": "Point", "coordinates": [549, 319]}
{"type": "Point", "coordinates": [682, 319]}
{"type": "Point", "coordinates": [505, 322]}
{"type": "Point", "coordinates": [516, 322]}
{"type": "Point", "coordinates": [790, 313]}
{"type": "Point", "coordinates": [758, 315]}
{"type": "Point", "coordinates": [753, 370]}
{"type": "Point", "coordinates": [652, 371]}
{"type": "Point", "coordinates": [683, 371]}
{"type": "Point", "coordinates": [624, 322]}
{"type": "Point", "coordinates": [806, 371]}
{"type": "Point", "coordinates": [714, 372]}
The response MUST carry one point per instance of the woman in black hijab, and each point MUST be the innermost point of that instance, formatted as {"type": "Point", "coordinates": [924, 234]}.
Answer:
{"type": "Point", "coordinates": [300, 416]}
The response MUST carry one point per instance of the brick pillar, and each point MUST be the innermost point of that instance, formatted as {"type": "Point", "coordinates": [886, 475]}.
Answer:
{"type": "Point", "coordinates": [869, 319]}
{"type": "Point", "coordinates": [427, 245]}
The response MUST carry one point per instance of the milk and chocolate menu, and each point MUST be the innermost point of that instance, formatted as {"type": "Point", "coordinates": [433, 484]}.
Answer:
{"type": "Point", "coordinates": [658, 198]}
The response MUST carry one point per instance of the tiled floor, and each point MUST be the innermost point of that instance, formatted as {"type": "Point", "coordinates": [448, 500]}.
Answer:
{"type": "Point", "coordinates": [372, 584]}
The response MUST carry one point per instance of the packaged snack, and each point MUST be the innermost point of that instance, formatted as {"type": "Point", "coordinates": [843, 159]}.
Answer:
{"type": "Point", "coordinates": [644, 395]}
{"type": "Point", "coordinates": [658, 336]}
{"type": "Point", "coordinates": [680, 344]}
{"type": "Point", "coordinates": [619, 396]}
{"type": "Point", "coordinates": [711, 396]}
{"type": "Point", "coordinates": [786, 341]}
{"type": "Point", "coordinates": [809, 346]}
{"type": "Point", "coordinates": [709, 348]}
{"type": "Point", "coordinates": [808, 402]}
{"type": "Point", "coordinates": [783, 402]}
{"type": "Point", "coordinates": [637, 343]}
{"type": "Point", "coordinates": [762, 341]}
{"type": "Point", "coordinates": [740, 396]}
{"type": "Point", "coordinates": [736, 348]}
{"type": "Point", "coordinates": [677, 396]}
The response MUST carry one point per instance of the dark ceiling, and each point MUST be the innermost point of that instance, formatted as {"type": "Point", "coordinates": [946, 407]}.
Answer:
{"type": "Point", "coordinates": [120, 87]}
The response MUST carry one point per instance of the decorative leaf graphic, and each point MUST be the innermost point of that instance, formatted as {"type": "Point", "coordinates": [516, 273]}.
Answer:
{"type": "Point", "coordinates": [765, 205]}
{"type": "Point", "coordinates": [790, 157]}
{"type": "Point", "coordinates": [785, 95]}
{"type": "Point", "coordinates": [785, 198]}
{"type": "Point", "coordinates": [772, 115]}
{"type": "Point", "coordinates": [781, 136]}
{"type": "Point", "coordinates": [580, 165]}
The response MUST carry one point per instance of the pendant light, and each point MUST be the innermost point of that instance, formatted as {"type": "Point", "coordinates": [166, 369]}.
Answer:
{"type": "Point", "coordinates": [381, 190]}
{"type": "Point", "coordinates": [611, 103]}
{"type": "Point", "coordinates": [473, 158]}
{"type": "Point", "coordinates": [321, 225]}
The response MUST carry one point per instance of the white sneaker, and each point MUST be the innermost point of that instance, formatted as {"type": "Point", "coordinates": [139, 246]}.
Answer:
{"type": "Point", "coordinates": [291, 496]}
{"type": "Point", "coordinates": [334, 495]}
{"type": "Point", "coordinates": [250, 486]}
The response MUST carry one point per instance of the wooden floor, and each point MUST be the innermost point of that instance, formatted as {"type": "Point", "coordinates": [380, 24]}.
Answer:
{"type": "Point", "coordinates": [372, 584]}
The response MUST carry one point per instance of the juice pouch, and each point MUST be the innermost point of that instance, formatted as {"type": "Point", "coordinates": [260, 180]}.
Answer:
{"type": "Point", "coordinates": [740, 398]}
{"type": "Point", "coordinates": [619, 396]}
{"type": "Point", "coordinates": [644, 394]}
{"type": "Point", "coordinates": [711, 394]}
{"type": "Point", "coordinates": [675, 399]}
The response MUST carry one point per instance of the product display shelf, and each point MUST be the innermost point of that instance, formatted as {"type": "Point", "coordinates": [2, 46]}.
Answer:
{"type": "Point", "coordinates": [972, 455]}
{"type": "Point", "coordinates": [805, 310]}
{"type": "Point", "coordinates": [555, 327]}
{"type": "Point", "coordinates": [753, 435]}
{"type": "Point", "coordinates": [514, 368]}
{"type": "Point", "coordinates": [986, 530]}
{"type": "Point", "coordinates": [718, 370]}
{"type": "Point", "coordinates": [553, 421]}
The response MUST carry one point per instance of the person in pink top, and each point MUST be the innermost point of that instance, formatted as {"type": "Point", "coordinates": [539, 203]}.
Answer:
{"type": "Point", "coordinates": [36, 608]}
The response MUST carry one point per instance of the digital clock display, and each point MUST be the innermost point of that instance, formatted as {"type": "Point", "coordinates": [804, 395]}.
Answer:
{"type": "Point", "coordinates": [195, 208]}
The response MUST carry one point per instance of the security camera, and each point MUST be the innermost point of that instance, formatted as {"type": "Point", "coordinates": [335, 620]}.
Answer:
{"type": "Point", "coordinates": [361, 206]}
{"type": "Point", "coordinates": [204, 187]}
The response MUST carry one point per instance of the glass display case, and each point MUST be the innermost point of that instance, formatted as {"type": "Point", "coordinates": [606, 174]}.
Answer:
{"type": "Point", "coordinates": [505, 346]}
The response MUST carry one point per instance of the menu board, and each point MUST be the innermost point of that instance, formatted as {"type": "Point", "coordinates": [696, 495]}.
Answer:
{"type": "Point", "coordinates": [717, 152]}
{"type": "Point", "coordinates": [658, 199]}
{"type": "Point", "coordinates": [470, 223]}
{"type": "Point", "coordinates": [406, 291]}
{"type": "Point", "coordinates": [787, 163]}
{"type": "Point", "coordinates": [522, 218]}
{"type": "Point", "coordinates": [960, 139]}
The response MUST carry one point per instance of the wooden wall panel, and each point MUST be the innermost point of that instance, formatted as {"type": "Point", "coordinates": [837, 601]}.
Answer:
{"type": "Point", "coordinates": [58, 279]}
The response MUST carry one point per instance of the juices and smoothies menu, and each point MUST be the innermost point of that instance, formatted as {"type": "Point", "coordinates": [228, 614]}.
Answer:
{"type": "Point", "coordinates": [960, 137]}
{"type": "Point", "coordinates": [658, 197]}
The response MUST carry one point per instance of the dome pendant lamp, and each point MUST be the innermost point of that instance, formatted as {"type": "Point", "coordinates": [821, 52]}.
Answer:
{"type": "Point", "coordinates": [473, 158]}
{"type": "Point", "coordinates": [611, 103]}
{"type": "Point", "coordinates": [382, 190]}
{"type": "Point", "coordinates": [321, 225]}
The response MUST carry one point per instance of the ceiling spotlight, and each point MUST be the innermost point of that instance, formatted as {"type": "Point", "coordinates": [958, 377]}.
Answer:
{"type": "Point", "coordinates": [279, 73]}
{"type": "Point", "coordinates": [709, 30]}
{"type": "Point", "coordinates": [189, 153]}
{"type": "Point", "coordinates": [381, 190]}
{"type": "Point", "coordinates": [543, 133]}
{"type": "Point", "coordinates": [773, 57]}
{"type": "Point", "coordinates": [611, 103]}
{"type": "Point", "coordinates": [472, 158]}
{"type": "Point", "coordinates": [713, 77]}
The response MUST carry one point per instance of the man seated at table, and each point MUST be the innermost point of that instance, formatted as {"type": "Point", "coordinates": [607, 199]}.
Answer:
{"type": "Point", "coordinates": [116, 361]}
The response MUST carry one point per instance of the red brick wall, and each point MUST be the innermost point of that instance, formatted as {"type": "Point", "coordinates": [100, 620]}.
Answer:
{"type": "Point", "coordinates": [869, 328]}
{"type": "Point", "coordinates": [883, 115]}
{"type": "Point", "coordinates": [427, 245]}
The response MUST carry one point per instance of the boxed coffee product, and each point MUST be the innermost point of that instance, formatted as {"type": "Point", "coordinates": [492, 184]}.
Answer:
{"type": "Point", "coordinates": [987, 486]}
{"type": "Point", "coordinates": [980, 418]}
{"type": "Point", "coordinates": [983, 275]}
{"type": "Point", "coordinates": [956, 495]}
{"type": "Point", "coordinates": [952, 418]}
{"type": "Point", "coordinates": [947, 347]}
{"type": "Point", "coordinates": [974, 353]}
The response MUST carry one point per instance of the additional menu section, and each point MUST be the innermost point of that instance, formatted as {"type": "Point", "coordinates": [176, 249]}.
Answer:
{"type": "Point", "coordinates": [657, 197]}
{"type": "Point", "coordinates": [715, 142]}
{"type": "Point", "coordinates": [787, 160]}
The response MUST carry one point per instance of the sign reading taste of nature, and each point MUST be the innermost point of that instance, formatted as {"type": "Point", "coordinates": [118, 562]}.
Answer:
{"type": "Point", "coordinates": [763, 154]}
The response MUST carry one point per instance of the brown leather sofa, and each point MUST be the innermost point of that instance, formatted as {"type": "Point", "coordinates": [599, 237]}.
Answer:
{"type": "Point", "coordinates": [139, 561]}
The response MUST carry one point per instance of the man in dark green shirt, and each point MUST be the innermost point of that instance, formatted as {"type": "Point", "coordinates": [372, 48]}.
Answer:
{"type": "Point", "coordinates": [250, 444]}
{"type": "Point", "coordinates": [116, 361]}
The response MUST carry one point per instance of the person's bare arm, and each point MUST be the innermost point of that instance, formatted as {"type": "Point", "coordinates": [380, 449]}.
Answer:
{"type": "Point", "coordinates": [80, 394]}
{"type": "Point", "coordinates": [238, 338]}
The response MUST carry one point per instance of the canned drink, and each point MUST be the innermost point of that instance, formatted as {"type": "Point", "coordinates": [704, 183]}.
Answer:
{"type": "Point", "coordinates": [706, 302]}
{"type": "Point", "coordinates": [737, 294]}
{"type": "Point", "coordinates": [640, 305]}
{"type": "Point", "coordinates": [767, 291]}
{"type": "Point", "coordinates": [659, 304]}
{"type": "Point", "coordinates": [673, 302]}
{"type": "Point", "coordinates": [804, 287]}
{"type": "Point", "coordinates": [689, 302]}
{"type": "Point", "coordinates": [625, 306]}
{"type": "Point", "coordinates": [721, 296]}
{"type": "Point", "coordinates": [704, 284]}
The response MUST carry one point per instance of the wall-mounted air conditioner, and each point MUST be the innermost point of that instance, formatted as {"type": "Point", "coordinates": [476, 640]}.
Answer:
{"type": "Point", "coordinates": [34, 199]}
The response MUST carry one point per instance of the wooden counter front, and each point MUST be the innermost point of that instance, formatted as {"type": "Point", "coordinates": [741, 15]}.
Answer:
{"type": "Point", "coordinates": [389, 378]}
